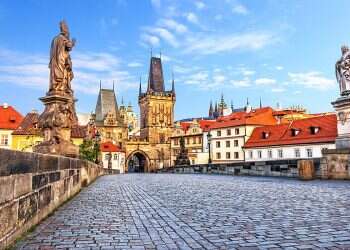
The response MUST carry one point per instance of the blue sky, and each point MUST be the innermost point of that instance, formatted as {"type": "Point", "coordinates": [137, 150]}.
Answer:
{"type": "Point", "coordinates": [281, 51]}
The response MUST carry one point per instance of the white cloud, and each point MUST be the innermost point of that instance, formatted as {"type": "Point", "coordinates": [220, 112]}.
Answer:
{"type": "Point", "coordinates": [265, 81]}
{"type": "Point", "coordinates": [218, 17]}
{"type": "Point", "coordinates": [200, 5]}
{"type": "Point", "coordinates": [312, 79]}
{"type": "Point", "coordinates": [172, 24]}
{"type": "Point", "coordinates": [163, 33]}
{"type": "Point", "coordinates": [191, 17]}
{"type": "Point", "coordinates": [241, 83]}
{"type": "Point", "coordinates": [135, 64]}
{"type": "Point", "coordinates": [278, 90]}
{"type": "Point", "coordinates": [31, 70]}
{"type": "Point", "coordinates": [156, 3]}
{"type": "Point", "coordinates": [151, 40]}
{"type": "Point", "coordinates": [240, 9]}
{"type": "Point", "coordinates": [247, 72]}
{"type": "Point", "coordinates": [213, 44]}
{"type": "Point", "coordinates": [279, 67]}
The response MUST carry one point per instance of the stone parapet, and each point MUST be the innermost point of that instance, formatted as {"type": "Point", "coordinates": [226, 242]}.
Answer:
{"type": "Point", "coordinates": [33, 185]}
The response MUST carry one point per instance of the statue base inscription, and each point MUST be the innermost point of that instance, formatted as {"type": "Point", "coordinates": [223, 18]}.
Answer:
{"type": "Point", "coordinates": [342, 108]}
{"type": "Point", "coordinates": [56, 122]}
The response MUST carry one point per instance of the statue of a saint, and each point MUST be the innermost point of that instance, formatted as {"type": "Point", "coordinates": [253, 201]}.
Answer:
{"type": "Point", "coordinates": [61, 73]}
{"type": "Point", "coordinates": [342, 71]}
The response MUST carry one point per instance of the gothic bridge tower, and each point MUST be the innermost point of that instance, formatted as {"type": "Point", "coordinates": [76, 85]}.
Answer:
{"type": "Point", "coordinates": [156, 106]}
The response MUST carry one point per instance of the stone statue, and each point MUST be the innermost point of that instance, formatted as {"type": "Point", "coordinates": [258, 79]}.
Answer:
{"type": "Point", "coordinates": [182, 157]}
{"type": "Point", "coordinates": [60, 65]}
{"type": "Point", "coordinates": [59, 116]}
{"type": "Point", "coordinates": [342, 71]}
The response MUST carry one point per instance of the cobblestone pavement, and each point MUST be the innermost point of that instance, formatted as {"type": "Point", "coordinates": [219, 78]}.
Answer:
{"type": "Point", "coordinates": [169, 211]}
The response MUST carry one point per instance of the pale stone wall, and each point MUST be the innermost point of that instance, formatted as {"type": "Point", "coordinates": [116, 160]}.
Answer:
{"type": "Point", "coordinates": [335, 164]}
{"type": "Point", "coordinates": [33, 185]}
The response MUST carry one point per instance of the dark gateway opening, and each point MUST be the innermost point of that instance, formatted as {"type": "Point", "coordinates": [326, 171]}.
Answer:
{"type": "Point", "coordinates": [137, 163]}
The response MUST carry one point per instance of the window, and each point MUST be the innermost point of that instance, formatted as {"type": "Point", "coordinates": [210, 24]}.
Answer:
{"type": "Point", "coordinates": [269, 153]}
{"type": "Point", "coordinates": [259, 154]}
{"type": "Point", "coordinates": [218, 144]}
{"type": "Point", "coordinates": [218, 133]}
{"type": "Point", "coordinates": [228, 132]}
{"type": "Point", "coordinates": [106, 157]}
{"type": "Point", "coordinates": [193, 162]}
{"type": "Point", "coordinates": [194, 141]}
{"type": "Point", "coordinates": [120, 135]}
{"type": "Point", "coordinates": [228, 155]}
{"type": "Point", "coordinates": [236, 155]}
{"type": "Point", "coordinates": [199, 140]}
{"type": "Point", "coordinates": [228, 144]}
{"type": "Point", "coordinates": [237, 131]}
{"type": "Point", "coordinates": [218, 155]}
{"type": "Point", "coordinates": [108, 135]}
{"type": "Point", "coordinates": [250, 154]}
{"type": "Point", "coordinates": [176, 141]}
{"type": "Point", "coordinates": [115, 156]}
{"type": "Point", "coordinates": [4, 140]}
{"type": "Point", "coordinates": [235, 143]}
{"type": "Point", "coordinates": [280, 153]}
{"type": "Point", "coordinates": [309, 152]}
{"type": "Point", "coordinates": [314, 130]}
{"type": "Point", "coordinates": [295, 131]}
{"type": "Point", "coordinates": [161, 138]}
{"type": "Point", "coordinates": [297, 153]}
{"type": "Point", "coordinates": [188, 140]}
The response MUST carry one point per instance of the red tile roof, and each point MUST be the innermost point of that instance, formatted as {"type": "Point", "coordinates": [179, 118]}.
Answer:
{"type": "Point", "coordinates": [28, 125]}
{"type": "Point", "coordinates": [79, 132]}
{"type": "Point", "coordinates": [9, 118]}
{"type": "Point", "coordinates": [203, 124]}
{"type": "Point", "coordinates": [109, 147]}
{"type": "Point", "coordinates": [261, 116]}
{"type": "Point", "coordinates": [282, 134]}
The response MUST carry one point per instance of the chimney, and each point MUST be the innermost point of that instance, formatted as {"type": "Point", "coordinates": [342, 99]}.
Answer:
{"type": "Point", "coordinates": [5, 105]}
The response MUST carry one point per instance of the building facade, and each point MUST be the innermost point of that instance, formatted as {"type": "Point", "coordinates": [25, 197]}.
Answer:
{"type": "Point", "coordinates": [195, 142]}
{"type": "Point", "coordinates": [10, 119]}
{"type": "Point", "coordinates": [299, 139]}
{"type": "Point", "coordinates": [113, 157]}
{"type": "Point", "coordinates": [230, 133]}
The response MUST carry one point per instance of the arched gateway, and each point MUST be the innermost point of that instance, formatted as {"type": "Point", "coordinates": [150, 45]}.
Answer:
{"type": "Point", "coordinates": [137, 162]}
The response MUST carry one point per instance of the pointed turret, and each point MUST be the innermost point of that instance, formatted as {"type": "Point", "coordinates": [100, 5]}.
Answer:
{"type": "Point", "coordinates": [211, 111]}
{"type": "Point", "coordinates": [155, 77]}
{"type": "Point", "coordinates": [232, 107]}
{"type": "Point", "coordinates": [260, 102]}
{"type": "Point", "coordinates": [140, 88]}
{"type": "Point", "coordinates": [173, 83]}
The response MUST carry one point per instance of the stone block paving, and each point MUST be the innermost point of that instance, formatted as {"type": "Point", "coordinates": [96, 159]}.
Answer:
{"type": "Point", "coordinates": [169, 211]}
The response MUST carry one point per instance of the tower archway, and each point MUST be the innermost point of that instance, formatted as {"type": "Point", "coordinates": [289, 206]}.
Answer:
{"type": "Point", "coordinates": [137, 162]}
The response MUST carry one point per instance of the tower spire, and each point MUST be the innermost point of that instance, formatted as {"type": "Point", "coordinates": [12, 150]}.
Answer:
{"type": "Point", "coordinates": [113, 85]}
{"type": "Point", "coordinates": [232, 106]}
{"type": "Point", "coordinates": [140, 88]}
{"type": "Point", "coordinates": [260, 102]}
{"type": "Point", "coordinates": [172, 82]}
{"type": "Point", "coordinates": [211, 111]}
{"type": "Point", "coordinates": [100, 85]}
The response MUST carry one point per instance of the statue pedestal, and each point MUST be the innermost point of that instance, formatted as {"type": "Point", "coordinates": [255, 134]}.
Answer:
{"type": "Point", "coordinates": [56, 122]}
{"type": "Point", "coordinates": [342, 108]}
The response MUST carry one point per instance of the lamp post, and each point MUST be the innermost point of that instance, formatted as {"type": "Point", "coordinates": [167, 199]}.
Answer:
{"type": "Point", "coordinates": [209, 146]}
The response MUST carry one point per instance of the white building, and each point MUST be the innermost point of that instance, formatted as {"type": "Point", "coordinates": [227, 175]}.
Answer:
{"type": "Point", "coordinates": [112, 157]}
{"type": "Point", "coordinates": [230, 133]}
{"type": "Point", "coordinates": [297, 140]}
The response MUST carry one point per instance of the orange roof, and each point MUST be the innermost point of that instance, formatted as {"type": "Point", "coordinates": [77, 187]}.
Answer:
{"type": "Point", "coordinates": [203, 124]}
{"type": "Point", "coordinates": [283, 134]}
{"type": "Point", "coordinates": [28, 126]}
{"type": "Point", "coordinates": [9, 118]}
{"type": "Point", "coordinates": [109, 147]}
{"type": "Point", "coordinates": [261, 116]}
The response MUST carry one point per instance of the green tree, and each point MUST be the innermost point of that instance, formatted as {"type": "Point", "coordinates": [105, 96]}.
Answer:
{"type": "Point", "coordinates": [89, 150]}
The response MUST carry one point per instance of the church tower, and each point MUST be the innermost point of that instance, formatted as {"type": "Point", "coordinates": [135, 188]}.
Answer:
{"type": "Point", "coordinates": [156, 106]}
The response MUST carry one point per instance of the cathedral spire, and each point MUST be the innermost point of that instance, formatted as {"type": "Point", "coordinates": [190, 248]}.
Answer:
{"type": "Point", "coordinates": [172, 83]}
{"type": "Point", "coordinates": [260, 102]}
{"type": "Point", "coordinates": [140, 88]}
{"type": "Point", "coordinates": [211, 111]}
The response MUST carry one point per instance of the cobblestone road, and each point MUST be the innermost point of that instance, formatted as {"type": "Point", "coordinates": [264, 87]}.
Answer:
{"type": "Point", "coordinates": [160, 211]}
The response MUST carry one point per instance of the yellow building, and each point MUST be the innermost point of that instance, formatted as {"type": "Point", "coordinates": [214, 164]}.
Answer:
{"type": "Point", "coordinates": [9, 121]}
{"type": "Point", "coordinates": [28, 134]}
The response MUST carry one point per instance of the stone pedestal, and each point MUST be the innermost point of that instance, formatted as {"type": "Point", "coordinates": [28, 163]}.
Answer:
{"type": "Point", "coordinates": [56, 122]}
{"type": "Point", "coordinates": [342, 108]}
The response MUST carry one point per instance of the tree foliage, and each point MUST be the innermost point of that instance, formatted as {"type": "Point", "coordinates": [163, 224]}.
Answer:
{"type": "Point", "coordinates": [89, 150]}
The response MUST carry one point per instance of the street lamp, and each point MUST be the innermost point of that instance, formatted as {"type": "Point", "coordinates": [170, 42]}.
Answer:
{"type": "Point", "coordinates": [97, 144]}
{"type": "Point", "coordinates": [209, 136]}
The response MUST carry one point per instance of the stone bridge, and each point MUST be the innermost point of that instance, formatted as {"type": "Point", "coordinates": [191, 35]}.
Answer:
{"type": "Point", "coordinates": [188, 211]}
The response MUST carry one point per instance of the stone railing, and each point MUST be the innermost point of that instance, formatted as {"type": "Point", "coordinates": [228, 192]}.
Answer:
{"type": "Point", "coordinates": [33, 185]}
{"type": "Point", "coordinates": [280, 168]}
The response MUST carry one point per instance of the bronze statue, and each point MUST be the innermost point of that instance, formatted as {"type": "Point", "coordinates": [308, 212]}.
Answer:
{"type": "Point", "coordinates": [342, 71]}
{"type": "Point", "coordinates": [61, 73]}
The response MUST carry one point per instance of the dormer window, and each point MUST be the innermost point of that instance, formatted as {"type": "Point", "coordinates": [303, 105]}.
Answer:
{"type": "Point", "coordinates": [265, 135]}
{"type": "Point", "coordinates": [314, 130]}
{"type": "Point", "coordinates": [295, 131]}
